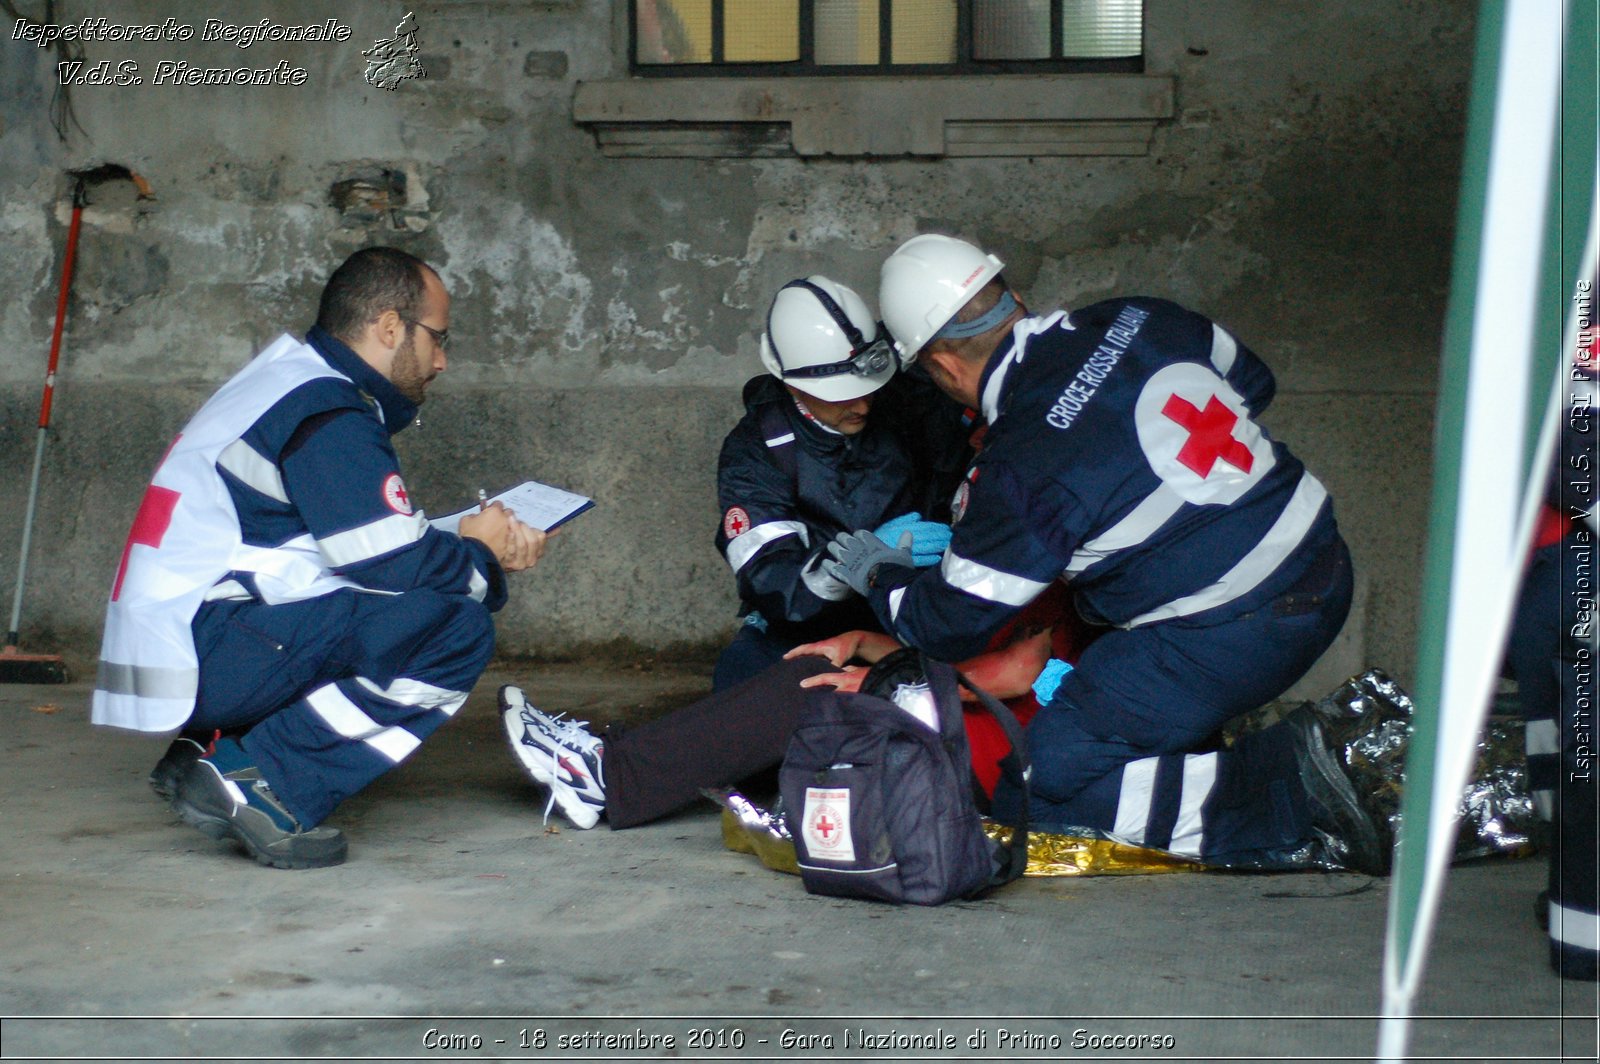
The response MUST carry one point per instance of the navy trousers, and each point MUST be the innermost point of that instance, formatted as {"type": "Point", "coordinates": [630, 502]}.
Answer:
{"type": "Point", "coordinates": [330, 693]}
{"type": "Point", "coordinates": [1128, 745]}
{"type": "Point", "coordinates": [1552, 653]}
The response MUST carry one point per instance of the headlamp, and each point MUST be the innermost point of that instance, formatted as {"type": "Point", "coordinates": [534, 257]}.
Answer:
{"type": "Point", "coordinates": [865, 361]}
{"type": "Point", "coordinates": [867, 358]}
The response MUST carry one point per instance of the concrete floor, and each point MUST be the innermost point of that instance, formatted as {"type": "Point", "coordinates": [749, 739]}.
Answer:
{"type": "Point", "coordinates": [126, 935]}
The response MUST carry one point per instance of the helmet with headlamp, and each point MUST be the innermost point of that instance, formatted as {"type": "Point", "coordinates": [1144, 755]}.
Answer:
{"type": "Point", "coordinates": [822, 339]}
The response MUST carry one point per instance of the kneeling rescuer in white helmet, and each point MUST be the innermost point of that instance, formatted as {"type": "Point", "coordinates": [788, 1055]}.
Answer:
{"type": "Point", "coordinates": [1123, 457]}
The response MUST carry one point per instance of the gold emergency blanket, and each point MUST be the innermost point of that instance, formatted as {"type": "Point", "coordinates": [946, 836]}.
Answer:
{"type": "Point", "coordinates": [747, 828]}
{"type": "Point", "coordinates": [1073, 855]}
{"type": "Point", "coordinates": [1368, 718]}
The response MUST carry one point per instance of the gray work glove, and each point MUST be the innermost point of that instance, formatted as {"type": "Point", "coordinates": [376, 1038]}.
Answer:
{"type": "Point", "coordinates": [857, 555]}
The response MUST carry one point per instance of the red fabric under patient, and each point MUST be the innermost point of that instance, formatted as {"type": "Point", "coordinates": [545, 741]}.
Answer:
{"type": "Point", "coordinates": [1068, 637]}
{"type": "Point", "coordinates": [988, 742]}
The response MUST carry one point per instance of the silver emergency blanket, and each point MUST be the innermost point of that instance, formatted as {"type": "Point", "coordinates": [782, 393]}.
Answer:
{"type": "Point", "coordinates": [1369, 717]}
{"type": "Point", "coordinates": [748, 828]}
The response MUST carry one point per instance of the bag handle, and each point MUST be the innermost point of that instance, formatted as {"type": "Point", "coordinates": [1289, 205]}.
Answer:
{"type": "Point", "coordinates": [1017, 767]}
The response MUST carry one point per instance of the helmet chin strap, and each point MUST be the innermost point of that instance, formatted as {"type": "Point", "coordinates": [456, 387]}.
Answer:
{"type": "Point", "coordinates": [982, 323]}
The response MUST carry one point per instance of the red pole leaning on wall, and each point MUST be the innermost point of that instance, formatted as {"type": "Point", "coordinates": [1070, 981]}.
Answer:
{"type": "Point", "coordinates": [39, 667]}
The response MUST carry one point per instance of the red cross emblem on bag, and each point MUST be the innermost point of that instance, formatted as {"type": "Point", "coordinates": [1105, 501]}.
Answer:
{"type": "Point", "coordinates": [825, 824]}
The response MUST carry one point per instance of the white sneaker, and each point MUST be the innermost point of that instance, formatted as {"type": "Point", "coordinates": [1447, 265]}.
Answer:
{"type": "Point", "coordinates": [560, 755]}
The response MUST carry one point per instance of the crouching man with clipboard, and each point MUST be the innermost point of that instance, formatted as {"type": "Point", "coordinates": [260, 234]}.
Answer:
{"type": "Point", "coordinates": [281, 604]}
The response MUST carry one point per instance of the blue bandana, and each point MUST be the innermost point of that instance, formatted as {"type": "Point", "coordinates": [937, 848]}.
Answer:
{"type": "Point", "coordinates": [982, 323]}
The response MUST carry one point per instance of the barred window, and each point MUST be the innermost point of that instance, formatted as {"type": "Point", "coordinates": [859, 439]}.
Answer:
{"type": "Point", "coordinates": [842, 37]}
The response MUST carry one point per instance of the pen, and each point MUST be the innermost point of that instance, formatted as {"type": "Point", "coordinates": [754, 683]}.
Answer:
{"type": "Point", "coordinates": [483, 499]}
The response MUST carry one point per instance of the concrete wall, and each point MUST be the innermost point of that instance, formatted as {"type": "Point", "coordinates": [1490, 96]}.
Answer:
{"type": "Point", "coordinates": [608, 309]}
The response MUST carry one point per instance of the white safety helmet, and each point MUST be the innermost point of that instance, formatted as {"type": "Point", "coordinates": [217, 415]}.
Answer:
{"type": "Point", "coordinates": [924, 283]}
{"type": "Point", "coordinates": [822, 339]}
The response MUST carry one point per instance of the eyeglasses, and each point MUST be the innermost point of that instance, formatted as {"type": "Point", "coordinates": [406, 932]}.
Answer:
{"type": "Point", "coordinates": [441, 337]}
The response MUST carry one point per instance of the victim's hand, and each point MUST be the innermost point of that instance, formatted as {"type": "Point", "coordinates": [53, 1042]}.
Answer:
{"type": "Point", "coordinates": [849, 680]}
{"type": "Point", "coordinates": [870, 647]}
{"type": "Point", "coordinates": [837, 649]}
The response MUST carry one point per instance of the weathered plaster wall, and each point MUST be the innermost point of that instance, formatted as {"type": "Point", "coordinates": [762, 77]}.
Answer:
{"type": "Point", "coordinates": [608, 309]}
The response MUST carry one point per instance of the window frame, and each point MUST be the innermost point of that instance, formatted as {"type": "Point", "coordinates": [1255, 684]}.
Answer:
{"type": "Point", "coordinates": [806, 66]}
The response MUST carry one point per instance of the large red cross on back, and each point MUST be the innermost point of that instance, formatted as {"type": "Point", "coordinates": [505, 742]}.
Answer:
{"type": "Point", "coordinates": [150, 525]}
{"type": "Point", "coordinates": [1210, 435]}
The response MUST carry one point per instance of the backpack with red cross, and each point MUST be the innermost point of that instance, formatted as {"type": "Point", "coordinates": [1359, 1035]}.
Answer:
{"type": "Point", "coordinates": [879, 791]}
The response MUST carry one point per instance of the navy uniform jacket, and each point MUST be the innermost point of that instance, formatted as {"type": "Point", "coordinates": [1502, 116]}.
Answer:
{"type": "Point", "coordinates": [1122, 456]}
{"type": "Point", "coordinates": [341, 486]}
{"type": "Point", "coordinates": [786, 486]}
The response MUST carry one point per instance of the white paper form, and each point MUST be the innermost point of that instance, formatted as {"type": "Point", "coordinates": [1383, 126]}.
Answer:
{"type": "Point", "coordinates": [535, 504]}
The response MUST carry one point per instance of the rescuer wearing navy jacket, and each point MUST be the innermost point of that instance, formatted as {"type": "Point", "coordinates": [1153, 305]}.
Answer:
{"type": "Point", "coordinates": [1123, 457]}
{"type": "Point", "coordinates": [832, 439]}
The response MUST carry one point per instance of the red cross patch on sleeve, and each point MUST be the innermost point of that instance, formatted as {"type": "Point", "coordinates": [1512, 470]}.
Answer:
{"type": "Point", "coordinates": [958, 505]}
{"type": "Point", "coordinates": [735, 522]}
{"type": "Point", "coordinates": [395, 494]}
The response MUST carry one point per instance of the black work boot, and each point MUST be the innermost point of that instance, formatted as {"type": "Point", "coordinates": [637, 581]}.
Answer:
{"type": "Point", "coordinates": [180, 755]}
{"type": "Point", "coordinates": [1344, 829]}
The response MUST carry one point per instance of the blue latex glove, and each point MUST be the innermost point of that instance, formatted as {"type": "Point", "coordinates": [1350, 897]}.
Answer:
{"type": "Point", "coordinates": [928, 538]}
{"type": "Point", "coordinates": [1044, 688]}
{"type": "Point", "coordinates": [857, 556]}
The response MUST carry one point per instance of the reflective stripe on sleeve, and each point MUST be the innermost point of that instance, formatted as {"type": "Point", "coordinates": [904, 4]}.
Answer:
{"type": "Point", "coordinates": [1262, 560]}
{"type": "Point", "coordinates": [477, 586]}
{"type": "Point", "coordinates": [1224, 349]}
{"type": "Point", "coordinates": [779, 441]}
{"type": "Point", "coordinates": [372, 540]}
{"type": "Point", "coordinates": [226, 591]}
{"type": "Point", "coordinates": [894, 602]}
{"type": "Point", "coordinates": [990, 584]}
{"type": "Point", "coordinates": [742, 548]}
{"type": "Point", "coordinates": [254, 469]}
{"type": "Point", "coordinates": [347, 718]}
{"type": "Point", "coordinates": [1540, 736]}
